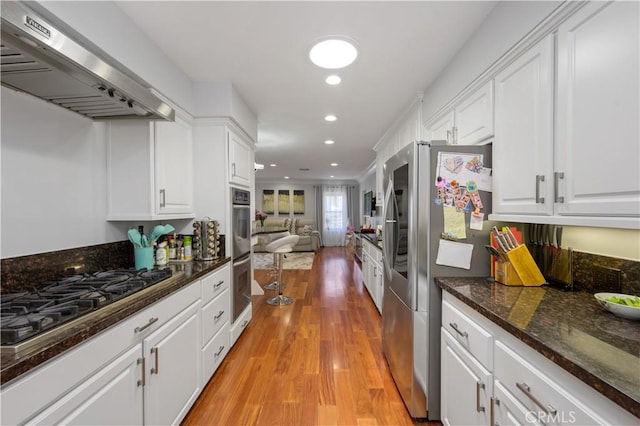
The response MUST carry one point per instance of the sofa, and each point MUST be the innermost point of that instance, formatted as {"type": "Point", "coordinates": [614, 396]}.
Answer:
{"type": "Point", "coordinates": [310, 239]}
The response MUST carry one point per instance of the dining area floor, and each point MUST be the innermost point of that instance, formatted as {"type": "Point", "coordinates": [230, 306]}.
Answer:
{"type": "Point", "coordinates": [317, 361]}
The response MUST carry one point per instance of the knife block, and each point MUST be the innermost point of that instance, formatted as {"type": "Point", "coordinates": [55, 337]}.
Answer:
{"type": "Point", "coordinates": [520, 269]}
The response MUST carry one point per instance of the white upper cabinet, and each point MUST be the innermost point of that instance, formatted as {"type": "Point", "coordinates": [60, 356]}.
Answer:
{"type": "Point", "coordinates": [149, 170]}
{"type": "Point", "coordinates": [523, 141]}
{"type": "Point", "coordinates": [469, 122]}
{"type": "Point", "coordinates": [587, 172]}
{"type": "Point", "coordinates": [598, 136]}
{"type": "Point", "coordinates": [474, 117]}
{"type": "Point", "coordinates": [241, 167]}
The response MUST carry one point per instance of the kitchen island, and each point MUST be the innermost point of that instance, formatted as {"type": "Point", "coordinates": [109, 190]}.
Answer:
{"type": "Point", "coordinates": [567, 328]}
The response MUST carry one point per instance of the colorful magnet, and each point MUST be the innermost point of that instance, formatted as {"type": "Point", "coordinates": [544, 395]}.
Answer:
{"type": "Point", "coordinates": [472, 190]}
{"type": "Point", "coordinates": [474, 165]}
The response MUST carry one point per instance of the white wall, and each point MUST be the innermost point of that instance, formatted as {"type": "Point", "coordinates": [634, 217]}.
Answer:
{"type": "Point", "coordinates": [53, 178]}
{"type": "Point", "coordinates": [507, 23]}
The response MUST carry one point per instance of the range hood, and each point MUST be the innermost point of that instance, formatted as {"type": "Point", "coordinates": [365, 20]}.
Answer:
{"type": "Point", "coordinates": [39, 59]}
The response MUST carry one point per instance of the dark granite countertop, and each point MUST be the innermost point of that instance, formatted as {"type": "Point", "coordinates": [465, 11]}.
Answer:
{"type": "Point", "coordinates": [570, 329]}
{"type": "Point", "coordinates": [13, 365]}
{"type": "Point", "coordinates": [373, 239]}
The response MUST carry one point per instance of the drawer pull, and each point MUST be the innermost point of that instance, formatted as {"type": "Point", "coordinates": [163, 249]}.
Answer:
{"type": "Point", "coordinates": [217, 354]}
{"type": "Point", "coordinates": [147, 325]}
{"type": "Point", "coordinates": [457, 330]}
{"type": "Point", "coordinates": [142, 381]}
{"type": "Point", "coordinates": [218, 284]}
{"type": "Point", "coordinates": [539, 180]}
{"type": "Point", "coordinates": [479, 385]}
{"type": "Point", "coordinates": [217, 317]}
{"type": "Point", "coordinates": [156, 369]}
{"type": "Point", "coordinates": [244, 323]}
{"type": "Point", "coordinates": [527, 391]}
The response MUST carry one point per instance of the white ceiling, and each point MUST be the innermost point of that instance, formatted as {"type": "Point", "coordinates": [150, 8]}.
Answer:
{"type": "Point", "coordinates": [262, 48]}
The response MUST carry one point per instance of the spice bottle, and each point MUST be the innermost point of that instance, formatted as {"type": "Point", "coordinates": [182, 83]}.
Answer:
{"type": "Point", "coordinates": [186, 244]}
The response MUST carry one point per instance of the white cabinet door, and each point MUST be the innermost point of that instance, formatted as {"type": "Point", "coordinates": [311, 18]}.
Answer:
{"type": "Point", "coordinates": [598, 136]}
{"type": "Point", "coordinates": [507, 411]}
{"type": "Point", "coordinates": [523, 141]}
{"type": "Point", "coordinates": [240, 160]}
{"type": "Point", "coordinates": [149, 170]}
{"type": "Point", "coordinates": [377, 285]}
{"type": "Point", "coordinates": [442, 129]}
{"type": "Point", "coordinates": [474, 117]}
{"type": "Point", "coordinates": [466, 386]}
{"type": "Point", "coordinates": [172, 356]}
{"type": "Point", "coordinates": [173, 167]}
{"type": "Point", "coordinates": [111, 396]}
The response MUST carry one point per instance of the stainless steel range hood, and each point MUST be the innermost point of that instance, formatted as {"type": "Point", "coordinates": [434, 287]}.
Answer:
{"type": "Point", "coordinates": [39, 59]}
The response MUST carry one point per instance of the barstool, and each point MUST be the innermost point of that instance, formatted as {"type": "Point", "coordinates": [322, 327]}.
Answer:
{"type": "Point", "coordinates": [274, 271]}
{"type": "Point", "coordinates": [280, 247]}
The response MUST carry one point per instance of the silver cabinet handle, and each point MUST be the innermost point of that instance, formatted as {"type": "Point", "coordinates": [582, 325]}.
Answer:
{"type": "Point", "coordinates": [375, 271]}
{"type": "Point", "coordinates": [492, 414]}
{"type": "Point", "coordinates": [244, 324]}
{"type": "Point", "coordinates": [142, 381]}
{"type": "Point", "coordinates": [479, 385]}
{"type": "Point", "coordinates": [454, 134]}
{"type": "Point", "coordinates": [218, 284]}
{"type": "Point", "coordinates": [457, 330]}
{"type": "Point", "coordinates": [391, 221]}
{"type": "Point", "coordinates": [156, 369]}
{"type": "Point", "coordinates": [147, 325]}
{"type": "Point", "coordinates": [163, 201]}
{"type": "Point", "coordinates": [217, 354]}
{"type": "Point", "coordinates": [556, 184]}
{"type": "Point", "coordinates": [449, 138]}
{"type": "Point", "coordinates": [539, 180]}
{"type": "Point", "coordinates": [217, 317]}
{"type": "Point", "coordinates": [233, 169]}
{"type": "Point", "coordinates": [527, 391]}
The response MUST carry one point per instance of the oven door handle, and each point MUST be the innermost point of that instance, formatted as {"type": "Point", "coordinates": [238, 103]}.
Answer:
{"type": "Point", "coordinates": [241, 206]}
{"type": "Point", "coordinates": [242, 262]}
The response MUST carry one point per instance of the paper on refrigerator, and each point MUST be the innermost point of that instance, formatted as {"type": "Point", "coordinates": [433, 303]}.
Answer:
{"type": "Point", "coordinates": [464, 168]}
{"type": "Point", "coordinates": [457, 255]}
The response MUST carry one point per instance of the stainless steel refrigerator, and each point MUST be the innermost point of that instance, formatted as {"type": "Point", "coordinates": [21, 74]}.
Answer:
{"type": "Point", "coordinates": [413, 225]}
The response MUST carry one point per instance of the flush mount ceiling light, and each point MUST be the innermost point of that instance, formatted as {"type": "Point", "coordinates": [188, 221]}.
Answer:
{"type": "Point", "coordinates": [331, 176]}
{"type": "Point", "coordinates": [272, 165]}
{"type": "Point", "coordinates": [331, 117]}
{"type": "Point", "coordinates": [333, 53]}
{"type": "Point", "coordinates": [333, 80]}
{"type": "Point", "coordinates": [329, 142]}
{"type": "Point", "coordinates": [286, 177]}
{"type": "Point", "coordinates": [334, 164]}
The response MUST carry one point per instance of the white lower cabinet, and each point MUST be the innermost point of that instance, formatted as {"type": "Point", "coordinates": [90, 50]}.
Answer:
{"type": "Point", "coordinates": [372, 272]}
{"type": "Point", "coordinates": [172, 355]}
{"type": "Point", "coordinates": [240, 324]}
{"type": "Point", "coordinates": [465, 397]}
{"type": "Point", "coordinates": [117, 385]}
{"type": "Point", "coordinates": [527, 388]}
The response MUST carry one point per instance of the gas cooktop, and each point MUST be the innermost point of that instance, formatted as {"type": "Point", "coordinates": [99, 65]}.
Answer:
{"type": "Point", "coordinates": [29, 314]}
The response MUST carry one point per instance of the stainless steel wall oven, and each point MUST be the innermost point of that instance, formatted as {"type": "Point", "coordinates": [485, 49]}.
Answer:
{"type": "Point", "coordinates": [241, 250]}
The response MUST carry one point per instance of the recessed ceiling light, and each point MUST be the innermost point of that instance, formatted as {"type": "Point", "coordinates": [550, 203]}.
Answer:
{"type": "Point", "coordinates": [286, 177]}
{"type": "Point", "coordinates": [333, 54]}
{"type": "Point", "coordinates": [331, 117]}
{"type": "Point", "coordinates": [333, 80]}
{"type": "Point", "coordinates": [329, 142]}
{"type": "Point", "coordinates": [334, 164]}
{"type": "Point", "coordinates": [332, 176]}
{"type": "Point", "coordinates": [272, 165]}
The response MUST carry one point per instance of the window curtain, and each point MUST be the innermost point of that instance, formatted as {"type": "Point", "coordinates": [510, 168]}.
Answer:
{"type": "Point", "coordinates": [334, 210]}
{"type": "Point", "coordinates": [353, 194]}
{"type": "Point", "coordinates": [317, 214]}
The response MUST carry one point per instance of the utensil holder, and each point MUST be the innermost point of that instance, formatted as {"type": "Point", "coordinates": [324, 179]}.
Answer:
{"type": "Point", "coordinates": [521, 267]}
{"type": "Point", "coordinates": [143, 257]}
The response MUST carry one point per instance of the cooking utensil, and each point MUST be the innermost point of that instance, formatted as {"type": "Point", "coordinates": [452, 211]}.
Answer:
{"type": "Point", "coordinates": [135, 237]}
{"type": "Point", "coordinates": [493, 252]}
{"type": "Point", "coordinates": [512, 238]}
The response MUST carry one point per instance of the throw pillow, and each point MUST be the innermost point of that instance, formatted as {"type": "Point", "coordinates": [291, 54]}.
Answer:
{"type": "Point", "coordinates": [305, 231]}
{"type": "Point", "coordinates": [292, 226]}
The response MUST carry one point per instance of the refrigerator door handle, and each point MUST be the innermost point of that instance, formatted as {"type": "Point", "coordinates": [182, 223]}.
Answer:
{"type": "Point", "coordinates": [388, 238]}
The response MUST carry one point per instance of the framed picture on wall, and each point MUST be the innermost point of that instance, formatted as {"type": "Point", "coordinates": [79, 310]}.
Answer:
{"type": "Point", "coordinates": [298, 201]}
{"type": "Point", "coordinates": [283, 202]}
{"type": "Point", "coordinates": [268, 200]}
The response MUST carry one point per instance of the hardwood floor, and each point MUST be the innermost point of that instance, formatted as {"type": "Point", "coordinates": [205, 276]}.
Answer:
{"type": "Point", "coordinates": [317, 361]}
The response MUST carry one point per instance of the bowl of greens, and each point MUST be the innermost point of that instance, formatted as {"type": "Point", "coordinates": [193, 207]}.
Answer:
{"type": "Point", "coordinates": [622, 305]}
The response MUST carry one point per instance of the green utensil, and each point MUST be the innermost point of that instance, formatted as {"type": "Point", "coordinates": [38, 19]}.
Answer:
{"type": "Point", "coordinates": [135, 237]}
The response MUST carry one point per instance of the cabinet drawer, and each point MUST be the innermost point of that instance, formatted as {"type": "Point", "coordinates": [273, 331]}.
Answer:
{"type": "Point", "coordinates": [214, 315]}
{"type": "Point", "coordinates": [470, 335]}
{"type": "Point", "coordinates": [215, 283]}
{"type": "Point", "coordinates": [214, 352]}
{"type": "Point", "coordinates": [550, 403]}
{"type": "Point", "coordinates": [241, 323]}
